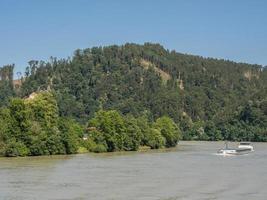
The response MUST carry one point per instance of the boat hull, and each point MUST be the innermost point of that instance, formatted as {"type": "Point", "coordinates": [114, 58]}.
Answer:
{"type": "Point", "coordinates": [238, 151]}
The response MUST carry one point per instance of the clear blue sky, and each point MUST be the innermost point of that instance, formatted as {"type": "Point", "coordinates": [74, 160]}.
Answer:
{"type": "Point", "coordinates": [38, 29]}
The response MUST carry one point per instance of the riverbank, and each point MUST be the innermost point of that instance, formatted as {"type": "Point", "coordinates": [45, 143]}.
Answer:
{"type": "Point", "coordinates": [83, 150]}
{"type": "Point", "coordinates": [183, 144]}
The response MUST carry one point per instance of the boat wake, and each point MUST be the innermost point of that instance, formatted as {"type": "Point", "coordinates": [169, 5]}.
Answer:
{"type": "Point", "coordinates": [224, 155]}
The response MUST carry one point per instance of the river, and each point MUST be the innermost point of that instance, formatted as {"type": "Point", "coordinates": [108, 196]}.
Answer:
{"type": "Point", "coordinates": [190, 171]}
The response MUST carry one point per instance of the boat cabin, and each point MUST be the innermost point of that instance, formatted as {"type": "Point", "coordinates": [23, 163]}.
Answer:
{"type": "Point", "coordinates": [244, 143]}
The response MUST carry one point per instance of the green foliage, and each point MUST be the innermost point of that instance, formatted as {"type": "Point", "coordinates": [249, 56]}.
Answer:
{"type": "Point", "coordinates": [44, 109]}
{"type": "Point", "coordinates": [92, 146]}
{"type": "Point", "coordinates": [155, 139]}
{"type": "Point", "coordinates": [71, 133]}
{"type": "Point", "coordinates": [169, 130]}
{"type": "Point", "coordinates": [44, 125]}
{"type": "Point", "coordinates": [144, 125]}
{"type": "Point", "coordinates": [6, 84]}
{"type": "Point", "coordinates": [99, 148]}
{"type": "Point", "coordinates": [111, 127]}
{"type": "Point", "coordinates": [114, 132]}
{"type": "Point", "coordinates": [207, 99]}
{"type": "Point", "coordinates": [133, 134]}
{"type": "Point", "coordinates": [32, 127]}
{"type": "Point", "coordinates": [134, 79]}
{"type": "Point", "coordinates": [38, 145]}
{"type": "Point", "coordinates": [20, 122]}
{"type": "Point", "coordinates": [211, 132]}
{"type": "Point", "coordinates": [14, 149]}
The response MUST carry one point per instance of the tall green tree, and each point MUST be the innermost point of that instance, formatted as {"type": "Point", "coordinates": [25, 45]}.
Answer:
{"type": "Point", "coordinates": [111, 125]}
{"type": "Point", "coordinates": [169, 130]}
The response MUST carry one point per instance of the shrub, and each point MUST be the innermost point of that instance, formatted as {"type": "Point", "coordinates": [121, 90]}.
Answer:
{"type": "Point", "coordinates": [155, 139]}
{"type": "Point", "coordinates": [14, 149]}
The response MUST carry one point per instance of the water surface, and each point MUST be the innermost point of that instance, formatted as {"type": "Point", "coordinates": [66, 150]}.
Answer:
{"type": "Point", "coordinates": [190, 171]}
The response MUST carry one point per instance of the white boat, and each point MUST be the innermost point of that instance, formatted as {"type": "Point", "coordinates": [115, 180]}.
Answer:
{"type": "Point", "coordinates": [246, 145]}
{"type": "Point", "coordinates": [243, 148]}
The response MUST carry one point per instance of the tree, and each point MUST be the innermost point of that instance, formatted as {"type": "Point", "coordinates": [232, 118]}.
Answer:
{"type": "Point", "coordinates": [133, 134]}
{"type": "Point", "coordinates": [212, 132]}
{"type": "Point", "coordinates": [169, 130]}
{"type": "Point", "coordinates": [155, 139]}
{"type": "Point", "coordinates": [111, 125]}
{"type": "Point", "coordinates": [71, 134]}
{"type": "Point", "coordinates": [6, 84]}
{"type": "Point", "coordinates": [44, 114]}
{"type": "Point", "coordinates": [14, 149]}
{"type": "Point", "coordinates": [20, 121]}
{"type": "Point", "coordinates": [144, 125]}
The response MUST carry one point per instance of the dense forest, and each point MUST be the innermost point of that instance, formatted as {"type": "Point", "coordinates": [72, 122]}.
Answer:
{"type": "Point", "coordinates": [124, 97]}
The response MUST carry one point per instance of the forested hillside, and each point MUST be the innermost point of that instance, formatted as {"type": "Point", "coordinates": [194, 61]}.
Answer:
{"type": "Point", "coordinates": [209, 99]}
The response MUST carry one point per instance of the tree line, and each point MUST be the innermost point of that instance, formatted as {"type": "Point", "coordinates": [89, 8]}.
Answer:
{"type": "Point", "coordinates": [33, 127]}
{"type": "Point", "coordinates": [208, 99]}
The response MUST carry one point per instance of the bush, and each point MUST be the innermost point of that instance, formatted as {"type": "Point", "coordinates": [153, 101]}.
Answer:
{"type": "Point", "coordinates": [92, 146]}
{"type": "Point", "coordinates": [133, 134]}
{"type": "Point", "coordinates": [99, 148]}
{"type": "Point", "coordinates": [110, 129]}
{"type": "Point", "coordinates": [155, 139]}
{"type": "Point", "coordinates": [2, 148]}
{"type": "Point", "coordinates": [169, 130]}
{"type": "Point", "coordinates": [89, 144]}
{"type": "Point", "coordinates": [14, 149]}
{"type": "Point", "coordinates": [71, 133]}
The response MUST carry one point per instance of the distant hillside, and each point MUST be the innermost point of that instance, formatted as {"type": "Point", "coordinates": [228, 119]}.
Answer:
{"type": "Point", "coordinates": [209, 98]}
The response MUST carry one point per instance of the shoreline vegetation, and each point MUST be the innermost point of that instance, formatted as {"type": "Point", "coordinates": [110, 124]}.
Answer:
{"type": "Point", "coordinates": [121, 98]}
{"type": "Point", "coordinates": [141, 149]}
{"type": "Point", "coordinates": [32, 127]}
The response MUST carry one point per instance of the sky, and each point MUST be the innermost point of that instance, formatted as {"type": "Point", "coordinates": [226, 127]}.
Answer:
{"type": "Point", "coordinates": [227, 29]}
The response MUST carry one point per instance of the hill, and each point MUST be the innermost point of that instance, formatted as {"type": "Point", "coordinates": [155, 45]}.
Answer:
{"type": "Point", "coordinates": [209, 99]}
